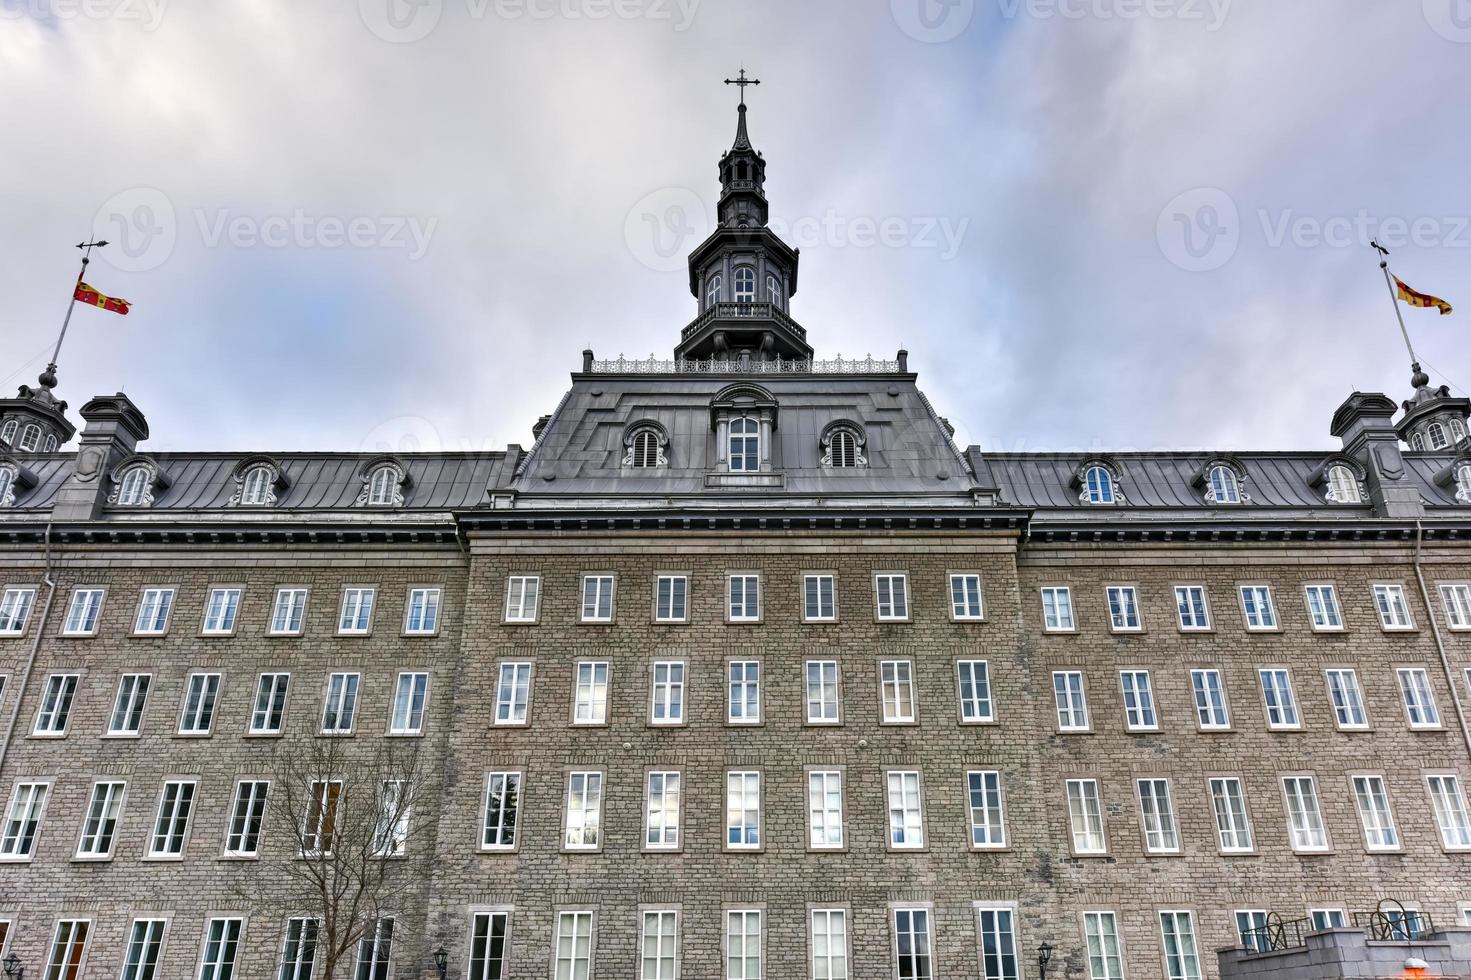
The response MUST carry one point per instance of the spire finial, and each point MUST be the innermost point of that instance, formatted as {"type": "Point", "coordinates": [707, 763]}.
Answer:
{"type": "Point", "coordinates": [742, 81]}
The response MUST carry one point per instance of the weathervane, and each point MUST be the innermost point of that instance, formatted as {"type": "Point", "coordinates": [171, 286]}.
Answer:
{"type": "Point", "coordinates": [743, 81]}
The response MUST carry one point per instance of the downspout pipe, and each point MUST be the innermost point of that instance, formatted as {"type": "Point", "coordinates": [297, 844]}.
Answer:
{"type": "Point", "coordinates": [1445, 661]}
{"type": "Point", "coordinates": [25, 677]}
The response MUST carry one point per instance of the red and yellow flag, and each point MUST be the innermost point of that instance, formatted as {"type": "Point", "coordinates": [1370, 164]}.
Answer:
{"type": "Point", "coordinates": [1416, 298]}
{"type": "Point", "coordinates": [92, 297]}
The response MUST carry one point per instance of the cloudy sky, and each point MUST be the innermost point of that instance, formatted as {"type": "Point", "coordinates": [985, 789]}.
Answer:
{"type": "Point", "coordinates": [1094, 223]}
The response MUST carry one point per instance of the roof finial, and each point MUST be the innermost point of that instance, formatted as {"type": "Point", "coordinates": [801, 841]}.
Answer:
{"type": "Point", "coordinates": [742, 140]}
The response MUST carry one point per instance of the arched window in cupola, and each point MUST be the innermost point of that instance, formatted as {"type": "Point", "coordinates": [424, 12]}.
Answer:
{"type": "Point", "coordinates": [745, 285]}
{"type": "Point", "coordinates": [1435, 435]}
{"type": "Point", "coordinates": [773, 291]}
{"type": "Point", "coordinates": [7, 431]}
{"type": "Point", "coordinates": [30, 438]}
{"type": "Point", "coordinates": [712, 289]}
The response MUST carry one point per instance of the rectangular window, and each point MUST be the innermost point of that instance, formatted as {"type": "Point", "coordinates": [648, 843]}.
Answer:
{"type": "Point", "coordinates": [1228, 804]}
{"type": "Point", "coordinates": [247, 816]}
{"type": "Point", "coordinates": [743, 959]}
{"type": "Point", "coordinates": [822, 692]}
{"type": "Point", "coordinates": [1304, 818]}
{"type": "Point", "coordinates": [1057, 609]}
{"type": "Point", "coordinates": [1085, 814]}
{"type": "Point", "coordinates": [408, 704]}
{"type": "Point", "coordinates": [1251, 929]}
{"type": "Point", "coordinates": [220, 612]}
{"type": "Point", "coordinates": [1348, 701]}
{"type": "Point", "coordinates": [340, 704]}
{"type": "Point", "coordinates": [523, 593]}
{"type": "Point", "coordinates": [659, 945]}
{"type": "Point", "coordinates": [502, 805]}
{"type": "Point", "coordinates": [1191, 606]}
{"type": "Point", "coordinates": [896, 684]}
{"type": "Point", "coordinates": [489, 940]}
{"type": "Point", "coordinates": [743, 706]}
{"type": "Point", "coordinates": [99, 828]}
{"type": "Point", "coordinates": [15, 611]}
{"type": "Point", "coordinates": [1139, 713]}
{"type": "Point", "coordinates": [667, 707]}
{"type": "Point", "coordinates": [829, 943]}
{"type": "Point", "coordinates": [269, 712]}
{"type": "Point", "coordinates": [574, 946]}
{"type": "Point", "coordinates": [965, 597]}
{"type": "Point", "coordinates": [743, 594]}
{"type": "Point", "coordinates": [1373, 805]}
{"type": "Point", "coordinates": [299, 951]}
{"type": "Point", "coordinates": [819, 602]}
{"type": "Point", "coordinates": [56, 704]}
{"type": "Point", "coordinates": [825, 810]}
{"type": "Point", "coordinates": [23, 821]}
{"type": "Point", "coordinates": [1277, 695]}
{"type": "Point", "coordinates": [998, 944]}
{"type": "Point", "coordinates": [171, 827]}
{"type": "Point", "coordinates": [200, 697]}
{"type": "Point", "coordinates": [421, 612]}
{"type": "Point", "coordinates": [356, 617]}
{"type": "Point", "coordinates": [127, 707]}
{"type": "Point", "coordinates": [289, 612]}
{"type": "Point", "coordinates": [983, 790]}
{"type": "Point", "coordinates": [513, 694]}
{"type": "Point", "coordinates": [68, 948]}
{"type": "Point", "coordinates": [742, 810]}
{"type": "Point", "coordinates": [661, 811]}
{"type": "Point", "coordinates": [975, 691]}
{"type": "Point", "coordinates": [1123, 608]}
{"type": "Point", "coordinates": [1445, 796]}
{"type": "Point", "coordinates": [1323, 607]}
{"type": "Point", "coordinates": [153, 612]}
{"type": "Point", "coordinates": [1420, 709]}
{"type": "Point", "coordinates": [913, 955]}
{"type": "Point", "coordinates": [582, 828]}
{"type": "Point", "coordinates": [597, 598]}
{"type": "Point", "coordinates": [1394, 611]}
{"type": "Point", "coordinates": [906, 811]}
{"type": "Point", "coordinates": [221, 953]}
{"type": "Point", "coordinates": [1157, 811]}
{"type": "Point", "coordinates": [145, 944]}
{"type": "Point", "coordinates": [81, 615]}
{"type": "Point", "coordinates": [392, 817]}
{"type": "Point", "coordinates": [320, 827]}
{"type": "Point", "coordinates": [1072, 705]}
{"type": "Point", "coordinates": [891, 593]}
{"type": "Point", "coordinates": [1328, 919]}
{"type": "Point", "coordinates": [1457, 601]}
{"type": "Point", "coordinates": [1210, 699]}
{"type": "Point", "coordinates": [1256, 605]}
{"type": "Point", "coordinates": [590, 693]}
{"type": "Point", "coordinates": [1182, 958]}
{"type": "Point", "coordinates": [375, 950]}
{"type": "Point", "coordinates": [1105, 955]}
{"type": "Point", "coordinates": [671, 603]}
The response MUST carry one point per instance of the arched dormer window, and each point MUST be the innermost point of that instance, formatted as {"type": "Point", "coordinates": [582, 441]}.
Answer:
{"type": "Point", "coordinates": [1342, 485]}
{"type": "Point", "coordinates": [643, 445]}
{"type": "Point", "coordinates": [384, 480]}
{"type": "Point", "coordinates": [1225, 488]}
{"type": "Point", "coordinates": [843, 451]}
{"type": "Point", "coordinates": [745, 445]}
{"type": "Point", "coordinates": [773, 291]}
{"type": "Point", "coordinates": [843, 445]}
{"type": "Point", "coordinates": [712, 289]}
{"type": "Point", "coordinates": [133, 489]}
{"type": "Point", "coordinates": [30, 438]}
{"type": "Point", "coordinates": [1435, 435]}
{"type": "Point", "coordinates": [7, 431]}
{"type": "Point", "coordinates": [7, 486]}
{"type": "Point", "coordinates": [255, 488]}
{"type": "Point", "coordinates": [382, 486]}
{"type": "Point", "coordinates": [745, 285]}
{"type": "Point", "coordinates": [744, 418]}
{"type": "Point", "coordinates": [1463, 482]}
{"type": "Point", "coordinates": [51, 444]}
{"type": "Point", "coordinates": [1098, 485]}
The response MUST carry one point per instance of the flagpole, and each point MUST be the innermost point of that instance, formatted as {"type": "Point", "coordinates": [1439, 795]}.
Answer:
{"type": "Point", "coordinates": [86, 248]}
{"type": "Point", "coordinates": [1394, 301]}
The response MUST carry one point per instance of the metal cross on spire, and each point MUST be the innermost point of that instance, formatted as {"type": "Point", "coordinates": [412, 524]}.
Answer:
{"type": "Point", "coordinates": [743, 81]}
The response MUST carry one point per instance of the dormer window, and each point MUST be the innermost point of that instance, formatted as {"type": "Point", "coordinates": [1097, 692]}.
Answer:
{"type": "Point", "coordinates": [843, 445]}
{"type": "Point", "coordinates": [1098, 485]}
{"type": "Point", "coordinates": [645, 451]}
{"type": "Point", "coordinates": [844, 451]}
{"type": "Point", "coordinates": [1223, 485]}
{"type": "Point", "coordinates": [745, 445]}
{"type": "Point", "coordinates": [773, 291]}
{"type": "Point", "coordinates": [643, 445]}
{"type": "Point", "coordinates": [133, 490]}
{"type": "Point", "coordinates": [712, 289]}
{"type": "Point", "coordinates": [7, 431]}
{"type": "Point", "coordinates": [256, 489]}
{"type": "Point", "coordinates": [383, 486]}
{"type": "Point", "coordinates": [1463, 483]}
{"type": "Point", "coordinates": [745, 285]}
{"type": "Point", "coordinates": [30, 438]}
{"type": "Point", "coordinates": [1435, 435]}
{"type": "Point", "coordinates": [1343, 485]}
{"type": "Point", "coordinates": [7, 486]}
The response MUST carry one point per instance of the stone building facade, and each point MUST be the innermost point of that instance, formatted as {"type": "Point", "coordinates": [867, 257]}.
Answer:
{"type": "Point", "coordinates": [742, 670]}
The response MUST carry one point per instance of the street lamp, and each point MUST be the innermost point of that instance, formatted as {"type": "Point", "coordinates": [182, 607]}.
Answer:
{"type": "Point", "coordinates": [13, 969]}
{"type": "Point", "coordinates": [441, 961]}
{"type": "Point", "coordinates": [1044, 953]}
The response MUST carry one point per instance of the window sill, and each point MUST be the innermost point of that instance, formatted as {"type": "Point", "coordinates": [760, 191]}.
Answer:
{"type": "Point", "coordinates": [91, 859]}
{"type": "Point", "coordinates": [237, 858]}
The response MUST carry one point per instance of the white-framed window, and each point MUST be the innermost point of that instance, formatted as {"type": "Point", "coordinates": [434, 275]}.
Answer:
{"type": "Point", "coordinates": [145, 946]}
{"type": "Point", "coordinates": [51, 443]}
{"type": "Point", "coordinates": [983, 800]}
{"type": "Point", "coordinates": [15, 611]}
{"type": "Point", "coordinates": [247, 817]}
{"type": "Point", "coordinates": [1304, 816]}
{"type": "Point", "coordinates": [1228, 806]}
{"type": "Point", "coordinates": [356, 618]}
{"type": "Point", "coordinates": [906, 810]}
{"type": "Point", "coordinates": [1105, 953]}
{"type": "Point", "coordinates": [745, 445]}
{"type": "Point", "coordinates": [819, 598]}
{"type": "Point", "coordinates": [421, 612]}
{"type": "Point", "coordinates": [667, 703]}
{"type": "Point", "coordinates": [171, 826]}
{"type": "Point", "coordinates": [1343, 485]}
{"type": "Point", "coordinates": [7, 431]}
{"type": "Point", "coordinates": [220, 612]}
{"type": "Point", "coordinates": [1225, 486]}
{"type": "Point", "coordinates": [1057, 609]}
{"type": "Point", "coordinates": [742, 810]}
{"type": "Point", "coordinates": [745, 285]}
{"type": "Point", "coordinates": [523, 593]}
{"type": "Point", "coordinates": [583, 824]}
{"type": "Point", "coordinates": [299, 949]}
{"type": "Point", "coordinates": [288, 612]}
{"type": "Point", "coordinates": [662, 791]}
{"type": "Point", "coordinates": [409, 697]}
{"type": "Point", "coordinates": [23, 821]}
{"type": "Point", "coordinates": [1257, 607]}
{"type": "Point", "coordinates": [1394, 611]}
{"type": "Point", "coordinates": [914, 956]}
{"type": "Point", "coordinates": [132, 490]}
{"type": "Point", "coordinates": [825, 810]}
{"type": "Point", "coordinates": [1449, 803]}
{"type": "Point", "coordinates": [1123, 608]}
{"type": "Point", "coordinates": [828, 941]}
{"type": "Point", "coordinates": [1435, 434]}
{"type": "Point", "coordinates": [502, 807]}
{"type": "Point", "coordinates": [671, 603]}
{"type": "Point", "coordinates": [154, 609]}
{"type": "Point", "coordinates": [82, 614]}
{"type": "Point", "coordinates": [743, 686]}
{"type": "Point", "coordinates": [966, 598]}
{"type": "Point", "coordinates": [1085, 816]}
{"type": "Point", "coordinates": [1420, 708]}
{"type": "Point", "coordinates": [513, 693]}
{"type": "Point", "coordinates": [712, 289]}
{"type": "Point", "coordinates": [773, 291]}
{"type": "Point", "coordinates": [1251, 929]}
{"type": "Point", "coordinates": [99, 826]}
{"type": "Point", "coordinates": [891, 595]}
{"type": "Point", "coordinates": [896, 686]}
{"type": "Point", "coordinates": [391, 817]}
{"type": "Point", "coordinates": [743, 598]}
{"type": "Point", "coordinates": [1182, 956]}
{"type": "Point", "coordinates": [1192, 608]}
{"type": "Point", "coordinates": [200, 697]}
{"type": "Point", "coordinates": [1210, 699]}
{"type": "Point", "coordinates": [1098, 486]}
{"type": "Point", "coordinates": [1327, 919]}
{"type": "Point", "coordinates": [1278, 697]}
{"type": "Point", "coordinates": [1323, 608]}
{"type": "Point", "coordinates": [375, 951]}
{"type": "Point", "coordinates": [219, 959]}
{"type": "Point", "coordinates": [1070, 701]}
{"type": "Point", "coordinates": [1372, 801]}
{"type": "Point", "coordinates": [998, 943]}
{"type": "Point", "coordinates": [269, 711]}
{"type": "Point", "coordinates": [597, 598]}
{"type": "Point", "coordinates": [128, 704]}
{"type": "Point", "coordinates": [1139, 714]}
{"type": "Point", "coordinates": [1157, 811]}
{"type": "Point", "coordinates": [490, 935]}
{"type": "Point", "coordinates": [68, 949]}
{"type": "Point", "coordinates": [974, 678]}
{"type": "Point", "coordinates": [1456, 597]}
{"type": "Point", "coordinates": [340, 703]}
{"type": "Point", "coordinates": [744, 959]}
{"type": "Point", "coordinates": [1348, 700]}
{"type": "Point", "coordinates": [257, 486]}
{"type": "Point", "coordinates": [823, 700]}
{"type": "Point", "coordinates": [383, 486]}
{"type": "Point", "coordinates": [54, 713]}
{"type": "Point", "coordinates": [659, 945]}
{"type": "Point", "coordinates": [590, 692]}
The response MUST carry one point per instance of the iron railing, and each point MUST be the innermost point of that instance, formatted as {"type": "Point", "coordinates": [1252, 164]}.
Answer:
{"type": "Point", "coordinates": [743, 311]}
{"type": "Point", "coordinates": [1277, 934]}
{"type": "Point", "coordinates": [780, 365]}
{"type": "Point", "coordinates": [1394, 924]}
